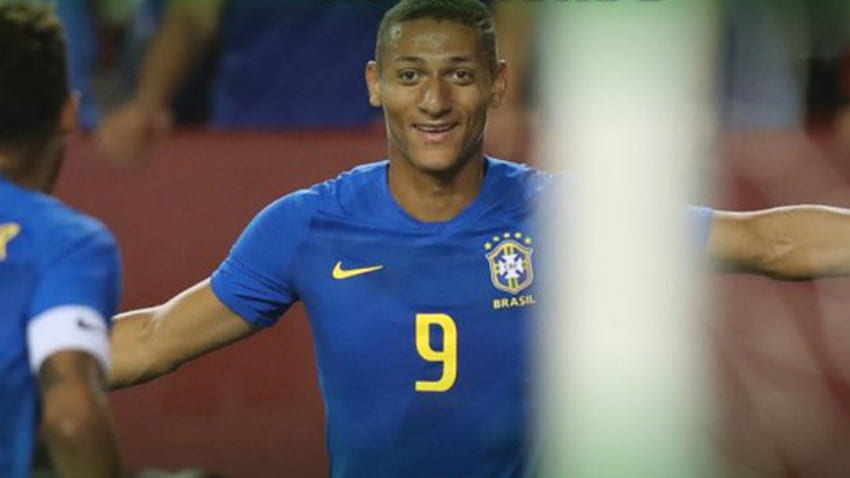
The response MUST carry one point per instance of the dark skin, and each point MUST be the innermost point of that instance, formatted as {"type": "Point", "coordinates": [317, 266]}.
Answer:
{"type": "Point", "coordinates": [76, 424]}
{"type": "Point", "coordinates": [37, 166]}
{"type": "Point", "coordinates": [436, 84]}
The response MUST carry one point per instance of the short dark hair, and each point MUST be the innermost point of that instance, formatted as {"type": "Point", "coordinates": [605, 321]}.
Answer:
{"type": "Point", "coordinates": [33, 72]}
{"type": "Point", "coordinates": [472, 13]}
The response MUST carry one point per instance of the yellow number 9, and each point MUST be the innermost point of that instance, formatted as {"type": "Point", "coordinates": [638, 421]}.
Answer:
{"type": "Point", "coordinates": [448, 354]}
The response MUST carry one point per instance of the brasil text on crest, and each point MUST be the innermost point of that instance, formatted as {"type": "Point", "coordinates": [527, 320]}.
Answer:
{"type": "Point", "coordinates": [509, 257]}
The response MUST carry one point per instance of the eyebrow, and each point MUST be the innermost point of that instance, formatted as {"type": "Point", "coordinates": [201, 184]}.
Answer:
{"type": "Point", "coordinates": [409, 59]}
{"type": "Point", "coordinates": [419, 60]}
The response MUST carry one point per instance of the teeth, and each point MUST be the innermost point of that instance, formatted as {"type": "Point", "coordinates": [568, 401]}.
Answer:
{"type": "Point", "coordinates": [435, 129]}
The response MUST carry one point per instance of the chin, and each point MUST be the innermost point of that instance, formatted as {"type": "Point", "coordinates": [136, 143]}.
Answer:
{"type": "Point", "coordinates": [436, 162]}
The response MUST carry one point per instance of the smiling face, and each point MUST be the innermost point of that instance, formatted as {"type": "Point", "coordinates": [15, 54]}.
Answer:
{"type": "Point", "coordinates": [435, 83]}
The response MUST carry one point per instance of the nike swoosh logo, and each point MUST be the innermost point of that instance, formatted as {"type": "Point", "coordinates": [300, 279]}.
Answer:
{"type": "Point", "coordinates": [89, 326]}
{"type": "Point", "coordinates": [340, 273]}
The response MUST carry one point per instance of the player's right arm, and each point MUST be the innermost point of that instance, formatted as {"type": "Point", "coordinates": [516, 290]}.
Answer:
{"type": "Point", "coordinates": [152, 342]}
{"type": "Point", "coordinates": [250, 290]}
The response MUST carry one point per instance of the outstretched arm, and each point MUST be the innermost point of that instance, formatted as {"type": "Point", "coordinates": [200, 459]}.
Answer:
{"type": "Point", "coordinates": [76, 424]}
{"type": "Point", "coordinates": [151, 342]}
{"type": "Point", "coordinates": [789, 243]}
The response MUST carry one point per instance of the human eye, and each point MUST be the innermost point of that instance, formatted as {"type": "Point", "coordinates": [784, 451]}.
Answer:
{"type": "Point", "coordinates": [408, 76]}
{"type": "Point", "coordinates": [462, 76]}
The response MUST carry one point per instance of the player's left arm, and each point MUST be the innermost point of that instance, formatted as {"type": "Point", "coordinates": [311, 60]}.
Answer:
{"type": "Point", "coordinates": [76, 424]}
{"type": "Point", "coordinates": [68, 348]}
{"type": "Point", "coordinates": [789, 243]}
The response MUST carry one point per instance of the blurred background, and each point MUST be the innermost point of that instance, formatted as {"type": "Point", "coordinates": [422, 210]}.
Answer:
{"type": "Point", "coordinates": [199, 112]}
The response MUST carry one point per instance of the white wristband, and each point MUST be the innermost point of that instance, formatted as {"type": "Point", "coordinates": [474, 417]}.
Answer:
{"type": "Point", "coordinates": [69, 327]}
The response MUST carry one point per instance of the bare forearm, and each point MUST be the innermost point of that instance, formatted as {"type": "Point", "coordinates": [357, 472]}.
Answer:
{"type": "Point", "coordinates": [149, 343]}
{"type": "Point", "coordinates": [92, 454]}
{"type": "Point", "coordinates": [188, 29]}
{"type": "Point", "coordinates": [790, 243]}
{"type": "Point", "coordinates": [135, 358]}
{"type": "Point", "coordinates": [811, 241]}
{"type": "Point", "coordinates": [77, 425]}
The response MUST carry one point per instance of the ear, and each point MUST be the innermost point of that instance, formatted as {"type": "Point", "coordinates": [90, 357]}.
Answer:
{"type": "Point", "coordinates": [373, 82]}
{"type": "Point", "coordinates": [69, 117]}
{"type": "Point", "coordinates": [499, 84]}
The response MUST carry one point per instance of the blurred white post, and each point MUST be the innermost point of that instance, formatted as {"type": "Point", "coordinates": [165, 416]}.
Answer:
{"type": "Point", "coordinates": [629, 88]}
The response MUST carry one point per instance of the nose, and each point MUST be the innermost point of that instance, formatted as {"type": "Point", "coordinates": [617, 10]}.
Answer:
{"type": "Point", "coordinates": [435, 98]}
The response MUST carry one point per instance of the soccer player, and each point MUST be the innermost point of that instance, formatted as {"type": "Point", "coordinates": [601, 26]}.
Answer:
{"type": "Point", "coordinates": [418, 272]}
{"type": "Point", "coordinates": [59, 270]}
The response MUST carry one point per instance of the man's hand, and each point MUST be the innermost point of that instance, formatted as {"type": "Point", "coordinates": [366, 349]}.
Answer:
{"type": "Point", "coordinates": [126, 135]}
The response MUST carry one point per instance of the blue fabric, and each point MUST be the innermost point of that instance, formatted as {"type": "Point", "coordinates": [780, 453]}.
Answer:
{"type": "Point", "coordinates": [287, 64]}
{"type": "Point", "coordinates": [701, 221]}
{"type": "Point", "coordinates": [76, 17]}
{"type": "Point", "coordinates": [364, 326]}
{"type": "Point", "coordinates": [59, 257]}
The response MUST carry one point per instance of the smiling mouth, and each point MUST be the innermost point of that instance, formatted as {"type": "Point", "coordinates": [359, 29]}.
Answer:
{"type": "Point", "coordinates": [435, 133]}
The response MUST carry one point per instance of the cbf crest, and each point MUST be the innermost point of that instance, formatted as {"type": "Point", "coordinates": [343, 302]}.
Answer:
{"type": "Point", "coordinates": [509, 257]}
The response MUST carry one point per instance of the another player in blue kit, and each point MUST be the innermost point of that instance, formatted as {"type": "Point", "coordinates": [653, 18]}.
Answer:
{"type": "Point", "coordinates": [59, 270]}
{"type": "Point", "coordinates": [418, 273]}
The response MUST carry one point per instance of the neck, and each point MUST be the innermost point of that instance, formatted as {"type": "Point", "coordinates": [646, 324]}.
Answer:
{"type": "Point", "coordinates": [436, 197]}
{"type": "Point", "coordinates": [33, 168]}
{"type": "Point", "coordinates": [28, 181]}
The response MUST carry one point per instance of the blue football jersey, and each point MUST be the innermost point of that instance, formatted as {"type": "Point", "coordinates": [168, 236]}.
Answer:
{"type": "Point", "coordinates": [421, 329]}
{"type": "Point", "coordinates": [50, 256]}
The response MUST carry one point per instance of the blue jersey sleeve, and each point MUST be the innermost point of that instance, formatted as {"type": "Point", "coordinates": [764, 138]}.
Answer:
{"type": "Point", "coordinates": [700, 219]}
{"type": "Point", "coordinates": [255, 281]}
{"type": "Point", "coordinates": [86, 271]}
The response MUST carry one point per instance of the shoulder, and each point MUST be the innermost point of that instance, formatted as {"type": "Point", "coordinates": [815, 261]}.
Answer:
{"type": "Point", "coordinates": [67, 227]}
{"type": "Point", "coordinates": [52, 225]}
{"type": "Point", "coordinates": [521, 173]}
{"type": "Point", "coordinates": [340, 195]}
{"type": "Point", "coordinates": [523, 182]}
{"type": "Point", "coordinates": [351, 184]}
